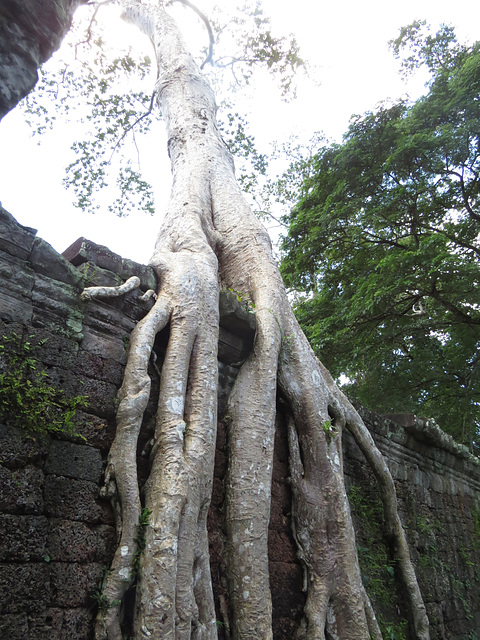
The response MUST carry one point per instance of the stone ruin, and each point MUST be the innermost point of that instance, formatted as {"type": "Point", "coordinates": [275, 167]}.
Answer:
{"type": "Point", "coordinates": [57, 534]}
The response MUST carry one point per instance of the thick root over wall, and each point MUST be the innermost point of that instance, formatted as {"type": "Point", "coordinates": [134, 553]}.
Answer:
{"type": "Point", "coordinates": [210, 238]}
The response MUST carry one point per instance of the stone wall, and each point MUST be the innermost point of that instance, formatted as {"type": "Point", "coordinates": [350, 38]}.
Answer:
{"type": "Point", "coordinates": [57, 535]}
{"type": "Point", "coordinates": [438, 488]}
{"type": "Point", "coordinates": [30, 31]}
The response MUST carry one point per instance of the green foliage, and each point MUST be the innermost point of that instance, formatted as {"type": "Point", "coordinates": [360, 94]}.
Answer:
{"type": "Point", "coordinates": [245, 42]}
{"type": "Point", "coordinates": [244, 300]}
{"type": "Point", "coordinates": [383, 246]}
{"type": "Point", "coordinates": [476, 527]}
{"type": "Point", "coordinates": [242, 145]}
{"type": "Point", "coordinates": [100, 599]}
{"type": "Point", "coordinates": [108, 99]}
{"type": "Point", "coordinates": [139, 539]}
{"type": "Point", "coordinates": [27, 400]}
{"type": "Point", "coordinates": [377, 569]}
{"type": "Point", "coordinates": [103, 602]}
{"type": "Point", "coordinates": [329, 430]}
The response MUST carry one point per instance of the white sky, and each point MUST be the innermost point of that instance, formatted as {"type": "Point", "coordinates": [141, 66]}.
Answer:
{"type": "Point", "coordinates": [345, 40]}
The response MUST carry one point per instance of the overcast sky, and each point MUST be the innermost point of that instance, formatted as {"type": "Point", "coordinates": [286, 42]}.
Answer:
{"type": "Point", "coordinates": [345, 41]}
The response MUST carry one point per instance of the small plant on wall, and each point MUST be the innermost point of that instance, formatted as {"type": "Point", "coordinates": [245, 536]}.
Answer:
{"type": "Point", "coordinates": [27, 400]}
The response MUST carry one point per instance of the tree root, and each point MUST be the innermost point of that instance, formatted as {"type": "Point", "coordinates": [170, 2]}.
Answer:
{"type": "Point", "coordinates": [209, 235]}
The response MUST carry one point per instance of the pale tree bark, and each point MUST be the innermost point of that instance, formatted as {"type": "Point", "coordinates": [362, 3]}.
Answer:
{"type": "Point", "coordinates": [210, 238]}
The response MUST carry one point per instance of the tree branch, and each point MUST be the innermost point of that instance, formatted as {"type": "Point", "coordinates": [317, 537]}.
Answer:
{"type": "Point", "coordinates": [208, 26]}
{"type": "Point", "coordinates": [130, 127]}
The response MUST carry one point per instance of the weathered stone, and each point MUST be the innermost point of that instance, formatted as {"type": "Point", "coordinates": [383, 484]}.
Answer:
{"type": "Point", "coordinates": [78, 624]}
{"type": "Point", "coordinates": [49, 263]}
{"type": "Point", "coordinates": [73, 585]}
{"type": "Point", "coordinates": [18, 449]}
{"type": "Point", "coordinates": [95, 276]}
{"type": "Point", "coordinates": [62, 624]}
{"type": "Point", "coordinates": [288, 599]}
{"type": "Point", "coordinates": [74, 461]}
{"type": "Point", "coordinates": [77, 542]}
{"type": "Point", "coordinates": [16, 285]}
{"type": "Point", "coordinates": [53, 349]}
{"type": "Point", "coordinates": [71, 499]}
{"type": "Point", "coordinates": [94, 366]}
{"type": "Point", "coordinates": [46, 626]}
{"type": "Point", "coordinates": [98, 432]}
{"type": "Point", "coordinates": [148, 279]}
{"type": "Point", "coordinates": [237, 317]}
{"type": "Point", "coordinates": [104, 344]}
{"type": "Point", "coordinates": [21, 491]}
{"type": "Point", "coordinates": [15, 239]}
{"type": "Point", "coordinates": [281, 547]}
{"type": "Point", "coordinates": [226, 378]}
{"type": "Point", "coordinates": [84, 250]}
{"type": "Point", "coordinates": [14, 627]}
{"type": "Point", "coordinates": [56, 305]}
{"type": "Point", "coordinates": [24, 588]}
{"type": "Point", "coordinates": [101, 396]}
{"type": "Point", "coordinates": [29, 34]}
{"type": "Point", "coordinates": [23, 538]}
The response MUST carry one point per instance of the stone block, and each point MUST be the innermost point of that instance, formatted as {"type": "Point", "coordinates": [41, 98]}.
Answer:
{"type": "Point", "coordinates": [73, 585]}
{"type": "Point", "coordinates": [77, 542]}
{"type": "Point", "coordinates": [56, 306]}
{"type": "Point", "coordinates": [281, 547]}
{"type": "Point", "coordinates": [46, 626]}
{"type": "Point", "coordinates": [236, 316]}
{"type": "Point", "coordinates": [148, 279]}
{"type": "Point", "coordinates": [101, 396]}
{"type": "Point", "coordinates": [98, 432]}
{"type": "Point", "coordinates": [111, 345]}
{"type": "Point", "coordinates": [18, 450]}
{"type": "Point", "coordinates": [14, 627]}
{"type": "Point", "coordinates": [62, 624]}
{"type": "Point", "coordinates": [92, 365]}
{"type": "Point", "coordinates": [84, 250]}
{"type": "Point", "coordinates": [16, 284]}
{"type": "Point", "coordinates": [78, 624]}
{"type": "Point", "coordinates": [286, 581]}
{"type": "Point", "coordinates": [74, 461]}
{"type": "Point", "coordinates": [24, 538]}
{"type": "Point", "coordinates": [71, 499]}
{"type": "Point", "coordinates": [21, 491]}
{"type": "Point", "coordinates": [55, 350]}
{"type": "Point", "coordinates": [24, 589]}
{"type": "Point", "coordinates": [95, 276]}
{"type": "Point", "coordinates": [48, 262]}
{"type": "Point", "coordinates": [15, 239]}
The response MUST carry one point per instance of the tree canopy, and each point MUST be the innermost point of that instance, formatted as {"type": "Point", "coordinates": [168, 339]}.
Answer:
{"type": "Point", "coordinates": [109, 95]}
{"type": "Point", "coordinates": [383, 244]}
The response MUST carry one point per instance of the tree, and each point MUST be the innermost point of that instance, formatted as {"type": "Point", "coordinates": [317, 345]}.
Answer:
{"type": "Point", "coordinates": [383, 245]}
{"type": "Point", "coordinates": [210, 239]}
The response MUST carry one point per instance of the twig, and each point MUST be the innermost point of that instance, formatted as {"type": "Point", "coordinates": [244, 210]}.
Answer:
{"type": "Point", "coordinates": [129, 128]}
{"type": "Point", "coordinates": [206, 21]}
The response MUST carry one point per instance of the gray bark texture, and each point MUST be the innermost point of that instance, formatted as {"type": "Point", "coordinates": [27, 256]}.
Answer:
{"type": "Point", "coordinates": [210, 239]}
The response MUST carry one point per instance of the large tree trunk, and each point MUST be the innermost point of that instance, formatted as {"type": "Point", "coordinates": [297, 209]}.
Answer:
{"type": "Point", "coordinates": [210, 238]}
